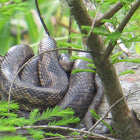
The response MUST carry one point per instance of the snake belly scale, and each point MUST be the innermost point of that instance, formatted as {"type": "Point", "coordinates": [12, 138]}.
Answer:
{"type": "Point", "coordinates": [43, 83]}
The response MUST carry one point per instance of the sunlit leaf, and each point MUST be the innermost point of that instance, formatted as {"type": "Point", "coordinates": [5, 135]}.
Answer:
{"type": "Point", "coordinates": [82, 58]}
{"type": "Point", "coordinates": [83, 70]}
{"type": "Point", "coordinates": [18, 137]}
{"type": "Point", "coordinates": [66, 44]}
{"type": "Point", "coordinates": [55, 135]}
{"type": "Point", "coordinates": [127, 60]}
{"type": "Point", "coordinates": [137, 48]}
{"type": "Point", "coordinates": [36, 134]}
{"type": "Point", "coordinates": [126, 72]}
{"type": "Point", "coordinates": [97, 117]}
{"type": "Point", "coordinates": [7, 129]}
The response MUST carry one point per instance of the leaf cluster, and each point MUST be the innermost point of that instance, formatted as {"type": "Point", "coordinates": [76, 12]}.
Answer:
{"type": "Point", "coordinates": [9, 122]}
{"type": "Point", "coordinates": [7, 9]}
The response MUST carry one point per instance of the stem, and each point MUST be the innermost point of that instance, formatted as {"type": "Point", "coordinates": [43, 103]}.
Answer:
{"type": "Point", "coordinates": [64, 128]}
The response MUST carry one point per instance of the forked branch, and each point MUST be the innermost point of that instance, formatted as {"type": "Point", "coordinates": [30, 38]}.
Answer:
{"type": "Point", "coordinates": [110, 13]}
{"type": "Point", "coordinates": [120, 28]}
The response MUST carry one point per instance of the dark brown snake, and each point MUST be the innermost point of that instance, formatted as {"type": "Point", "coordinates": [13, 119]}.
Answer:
{"type": "Point", "coordinates": [43, 83]}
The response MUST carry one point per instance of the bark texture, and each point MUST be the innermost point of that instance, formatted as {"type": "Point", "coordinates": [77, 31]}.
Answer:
{"type": "Point", "coordinates": [125, 122]}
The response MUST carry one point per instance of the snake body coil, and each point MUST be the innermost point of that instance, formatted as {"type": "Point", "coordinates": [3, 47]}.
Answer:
{"type": "Point", "coordinates": [43, 83]}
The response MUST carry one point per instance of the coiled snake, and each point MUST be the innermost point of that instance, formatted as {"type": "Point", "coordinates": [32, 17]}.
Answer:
{"type": "Point", "coordinates": [43, 83]}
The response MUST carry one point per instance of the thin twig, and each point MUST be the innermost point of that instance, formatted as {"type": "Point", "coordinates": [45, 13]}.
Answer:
{"type": "Point", "coordinates": [77, 137]}
{"type": "Point", "coordinates": [120, 29]}
{"type": "Point", "coordinates": [94, 20]}
{"type": "Point", "coordinates": [9, 97]}
{"type": "Point", "coordinates": [106, 113]}
{"type": "Point", "coordinates": [64, 128]}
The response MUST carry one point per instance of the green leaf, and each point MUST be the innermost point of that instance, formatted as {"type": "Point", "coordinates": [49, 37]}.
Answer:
{"type": "Point", "coordinates": [91, 65]}
{"type": "Point", "coordinates": [55, 135]}
{"type": "Point", "coordinates": [127, 60]}
{"type": "Point", "coordinates": [115, 56]}
{"type": "Point", "coordinates": [36, 134]}
{"type": "Point", "coordinates": [50, 114]}
{"type": "Point", "coordinates": [65, 121]}
{"type": "Point", "coordinates": [7, 128]}
{"type": "Point", "coordinates": [110, 21]}
{"type": "Point", "coordinates": [98, 117]}
{"type": "Point", "coordinates": [74, 134]}
{"type": "Point", "coordinates": [82, 58]}
{"type": "Point", "coordinates": [87, 28]}
{"type": "Point", "coordinates": [114, 36]}
{"type": "Point", "coordinates": [82, 70]}
{"type": "Point", "coordinates": [101, 31]}
{"type": "Point", "coordinates": [137, 48]}
{"type": "Point", "coordinates": [34, 116]}
{"type": "Point", "coordinates": [127, 71]}
{"type": "Point", "coordinates": [97, 30]}
{"type": "Point", "coordinates": [5, 105]}
{"type": "Point", "coordinates": [66, 44]}
{"type": "Point", "coordinates": [12, 121]}
{"type": "Point", "coordinates": [18, 137]}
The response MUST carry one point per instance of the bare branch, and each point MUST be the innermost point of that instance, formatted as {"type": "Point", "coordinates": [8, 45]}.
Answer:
{"type": "Point", "coordinates": [64, 128]}
{"type": "Point", "coordinates": [120, 29]}
{"type": "Point", "coordinates": [78, 137]}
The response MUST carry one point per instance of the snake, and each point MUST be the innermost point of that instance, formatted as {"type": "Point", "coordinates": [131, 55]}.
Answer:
{"type": "Point", "coordinates": [43, 83]}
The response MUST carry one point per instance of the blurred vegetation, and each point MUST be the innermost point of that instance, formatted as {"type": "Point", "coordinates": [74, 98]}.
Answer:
{"type": "Point", "coordinates": [20, 24]}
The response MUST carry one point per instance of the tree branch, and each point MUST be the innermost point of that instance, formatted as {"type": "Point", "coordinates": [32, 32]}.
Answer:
{"type": "Point", "coordinates": [80, 13]}
{"type": "Point", "coordinates": [121, 114]}
{"type": "Point", "coordinates": [120, 29]}
{"type": "Point", "coordinates": [110, 13]}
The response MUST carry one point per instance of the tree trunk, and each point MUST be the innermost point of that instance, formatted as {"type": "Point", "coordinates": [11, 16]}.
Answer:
{"type": "Point", "coordinates": [125, 122]}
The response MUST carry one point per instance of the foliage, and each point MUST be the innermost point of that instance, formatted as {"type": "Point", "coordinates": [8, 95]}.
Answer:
{"type": "Point", "coordinates": [20, 18]}
{"type": "Point", "coordinates": [98, 117]}
{"type": "Point", "coordinates": [55, 135]}
{"type": "Point", "coordinates": [127, 71]}
{"type": "Point", "coordinates": [8, 123]}
{"type": "Point", "coordinates": [18, 137]}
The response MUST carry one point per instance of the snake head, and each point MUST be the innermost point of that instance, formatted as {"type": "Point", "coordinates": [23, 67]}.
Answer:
{"type": "Point", "coordinates": [65, 62]}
